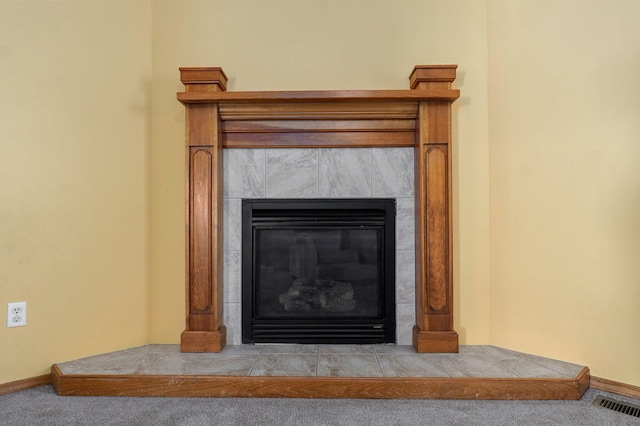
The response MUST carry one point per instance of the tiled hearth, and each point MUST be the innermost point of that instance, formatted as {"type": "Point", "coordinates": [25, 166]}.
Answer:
{"type": "Point", "coordinates": [321, 173]}
{"type": "Point", "coordinates": [323, 360]}
{"type": "Point", "coordinates": [371, 371]}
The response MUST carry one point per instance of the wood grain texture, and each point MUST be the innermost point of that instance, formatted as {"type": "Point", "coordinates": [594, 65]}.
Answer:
{"type": "Point", "coordinates": [320, 125]}
{"type": "Point", "coordinates": [432, 76]}
{"type": "Point", "coordinates": [203, 79]}
{"type": "Point", "coordinates": [24, 384]}
{"type": "Point", "coordinates": [317, 96]}
{"type": "Point", "coordinates": [321, 387]}
{"type": "Point", "coordinates": [318, 140]}
{"type": "Point", "coordinates": [200, 238]}
{"type": "Point", "coordinates": [204, 341]}
{"type": "Point", "coordinates": [434, 341]}
{"type": "Point", "coordinates": [437, 229]}
{"type": "Point", "coordinates": [434, 256]}
{"type": "Point", "coordinates": [615, 387]}
{"type": "Point", "coordinates": [204, 253]}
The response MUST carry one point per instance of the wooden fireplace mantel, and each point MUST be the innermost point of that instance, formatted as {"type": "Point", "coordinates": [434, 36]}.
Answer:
{"type": "Point", "coordinates": [419, 117]}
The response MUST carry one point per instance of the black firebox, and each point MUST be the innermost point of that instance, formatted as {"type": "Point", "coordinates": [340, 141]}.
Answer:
{"type": "Point", "coordinates": [318, 271]}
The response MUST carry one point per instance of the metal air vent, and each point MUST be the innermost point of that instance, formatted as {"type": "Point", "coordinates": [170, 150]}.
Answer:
{"type": "Point", "coordinates": [619, 406]}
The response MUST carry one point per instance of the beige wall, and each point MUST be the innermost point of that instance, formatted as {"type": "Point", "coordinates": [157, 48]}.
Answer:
{"type": "Point", "coordinates": [74, 79]}
{"type": "Point", "coordinates": [565, 181]}
{"type": "Point", "coordinates": [335, 44]}
{"type": "Point", "coordinates": [545, 187]}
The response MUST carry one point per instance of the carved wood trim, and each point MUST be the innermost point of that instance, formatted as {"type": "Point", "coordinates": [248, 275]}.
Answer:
{"type": "Point", "coordinates": [419, 118]}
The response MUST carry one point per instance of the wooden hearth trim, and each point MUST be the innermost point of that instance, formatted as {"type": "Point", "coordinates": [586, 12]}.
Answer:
{"type": "Point", "coordinates": [24, 384]}
{"type": "Point", "coordinates": [322, 387]}
{"type": "Point", "coordinates": [613, 386]}
{"type": "Point", "coordinates": [419, 118]}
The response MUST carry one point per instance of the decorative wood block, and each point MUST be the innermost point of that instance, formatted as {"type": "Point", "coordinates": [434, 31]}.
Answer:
{"type": "Point", "coordinates": [203, 341]}
{"type": "Point", "coordinates": [442, 75]}
{"type": "Point", "coordinates": [203, 79]}
{"type": "Point", "coordinates": [435, 341]}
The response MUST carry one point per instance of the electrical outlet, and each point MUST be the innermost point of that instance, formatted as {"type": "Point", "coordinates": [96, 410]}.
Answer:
{"type": "Point", "coordinates": [16, 314]}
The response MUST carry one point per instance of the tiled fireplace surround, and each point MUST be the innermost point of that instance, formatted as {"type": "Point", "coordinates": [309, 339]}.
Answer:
{"type": "Point", "coordinates": [320, 173]}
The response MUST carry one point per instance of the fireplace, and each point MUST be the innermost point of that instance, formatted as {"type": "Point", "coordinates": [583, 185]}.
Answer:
{"type": "Point", "coordinates": [318, 270]}
{"type": "Point", "coordinates": [419, 118]}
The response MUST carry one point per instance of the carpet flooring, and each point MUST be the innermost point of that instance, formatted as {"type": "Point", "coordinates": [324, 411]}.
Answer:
{"type": "Point", "coordinates": [42, 406]}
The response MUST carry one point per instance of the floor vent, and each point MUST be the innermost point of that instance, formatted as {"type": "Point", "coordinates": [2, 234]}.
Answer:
{"type": "Point", "coordinates": [621, 407]}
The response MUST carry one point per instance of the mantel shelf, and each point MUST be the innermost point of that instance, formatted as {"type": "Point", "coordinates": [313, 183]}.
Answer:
{"type": "Point", "coordinates": [319, 96]}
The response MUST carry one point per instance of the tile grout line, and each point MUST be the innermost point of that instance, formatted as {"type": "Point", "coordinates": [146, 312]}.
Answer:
{"type": "Point", "coordinates": [442, 365]}
{"type": "Point", "coordinates": [533, 360]}
{"type": "Point", "coordinates": [375, 353]}
{"type": "Point", "coordinates": [139, 357]}
{"type": "Point", "coordinates": [317, 172]}
{"type": "Point", "coordinates": [194, 362]}
{"type": "Point", "coordinates": [504, 364]}
{"type": "Point", "coordinates": [256, 361]}
{"type": "Point", "coordinates": [564, 374]}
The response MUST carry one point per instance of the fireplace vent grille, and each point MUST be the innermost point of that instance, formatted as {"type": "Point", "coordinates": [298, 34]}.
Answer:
{"type": "Point", "coordinates": [619, 406]}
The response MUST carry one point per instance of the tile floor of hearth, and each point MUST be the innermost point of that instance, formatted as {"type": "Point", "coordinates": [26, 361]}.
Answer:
{"type": "Point", "coordinates": [323, 361]}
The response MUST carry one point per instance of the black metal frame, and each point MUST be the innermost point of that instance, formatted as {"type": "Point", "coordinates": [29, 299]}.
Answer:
{"type": "Point", "coordinates": [365, 213]}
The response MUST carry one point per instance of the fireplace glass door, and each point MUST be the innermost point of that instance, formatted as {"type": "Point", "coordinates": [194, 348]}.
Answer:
{"type": "Point", "coordinates": [318, 271]}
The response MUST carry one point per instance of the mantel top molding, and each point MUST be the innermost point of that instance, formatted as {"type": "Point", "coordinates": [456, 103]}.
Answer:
{"type": "Point", "coordinates": [209, 85]}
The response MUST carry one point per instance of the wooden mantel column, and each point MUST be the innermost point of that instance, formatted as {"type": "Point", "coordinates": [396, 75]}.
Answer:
{"type": "Point", "coordinates": [205, 330]}
{"type": "Point", "coordinates": [433, 331]}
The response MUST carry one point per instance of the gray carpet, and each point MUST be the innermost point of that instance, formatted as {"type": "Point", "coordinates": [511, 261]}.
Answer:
{"type": "Point", "coordinates": [41, 406]}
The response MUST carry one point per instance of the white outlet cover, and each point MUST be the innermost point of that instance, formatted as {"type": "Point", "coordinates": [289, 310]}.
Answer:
{"type": "Point", "coordinates": [16, 314]}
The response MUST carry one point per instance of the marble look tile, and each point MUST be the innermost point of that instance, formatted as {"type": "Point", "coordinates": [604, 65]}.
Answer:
{"type": "Point", "coordinates": [348, 365]}
{"type": "Point", "coordinates": [392, 172]}
{"type": "Point", "coordinates": [137, 350]}
{"type": "Point", "coordinates": [405, 320]}
{"type": "Point", "coordinates": [285, 365]}
{"type": "Point", "coordinates": [232, 224]}
{"type": "Point", "coordinates": [290, 349]}
{"type": "Point", "coordinates": [109, 363]}
{"type": "Point", "coordinates": [345, 349]}
{"type": "Point", "coordinates": [494, 350]}
{"type": "Point", "coordinates": [411, 366]}
{"type": "Point", "coordinates": [405, 276]}
{"type": "Point", "coordinates": [474, 366]}
{"type": "Point", "coordinates": [345, 172]}
{"type": "Point", "coordinates": [472, 350]}
{"type": "Point", "coordinates": [161, 363]}
{"type": "Point", "coordinates": [233, 321]}
{"type": "Point", "coordinates": [244, 173]}
{"type": "Point", "coordinates": [524, 368]}
{"type": "Point", "coordinates": [395, 350]}
{"type": "Point", "coordinates": [405, 224]}
{"type": "Point", "coordinates": [566, 369]}
{"type": "Point", "coordinates": [232, 277]}
{"type": "Point", "coordinates": [164, 349]}
{"type": "Point", "coordinates": [239, 350]}
{"type": "Point", "coordinates": [292, 173]}
{"type": "Point", "coordinates": [228, 365]}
